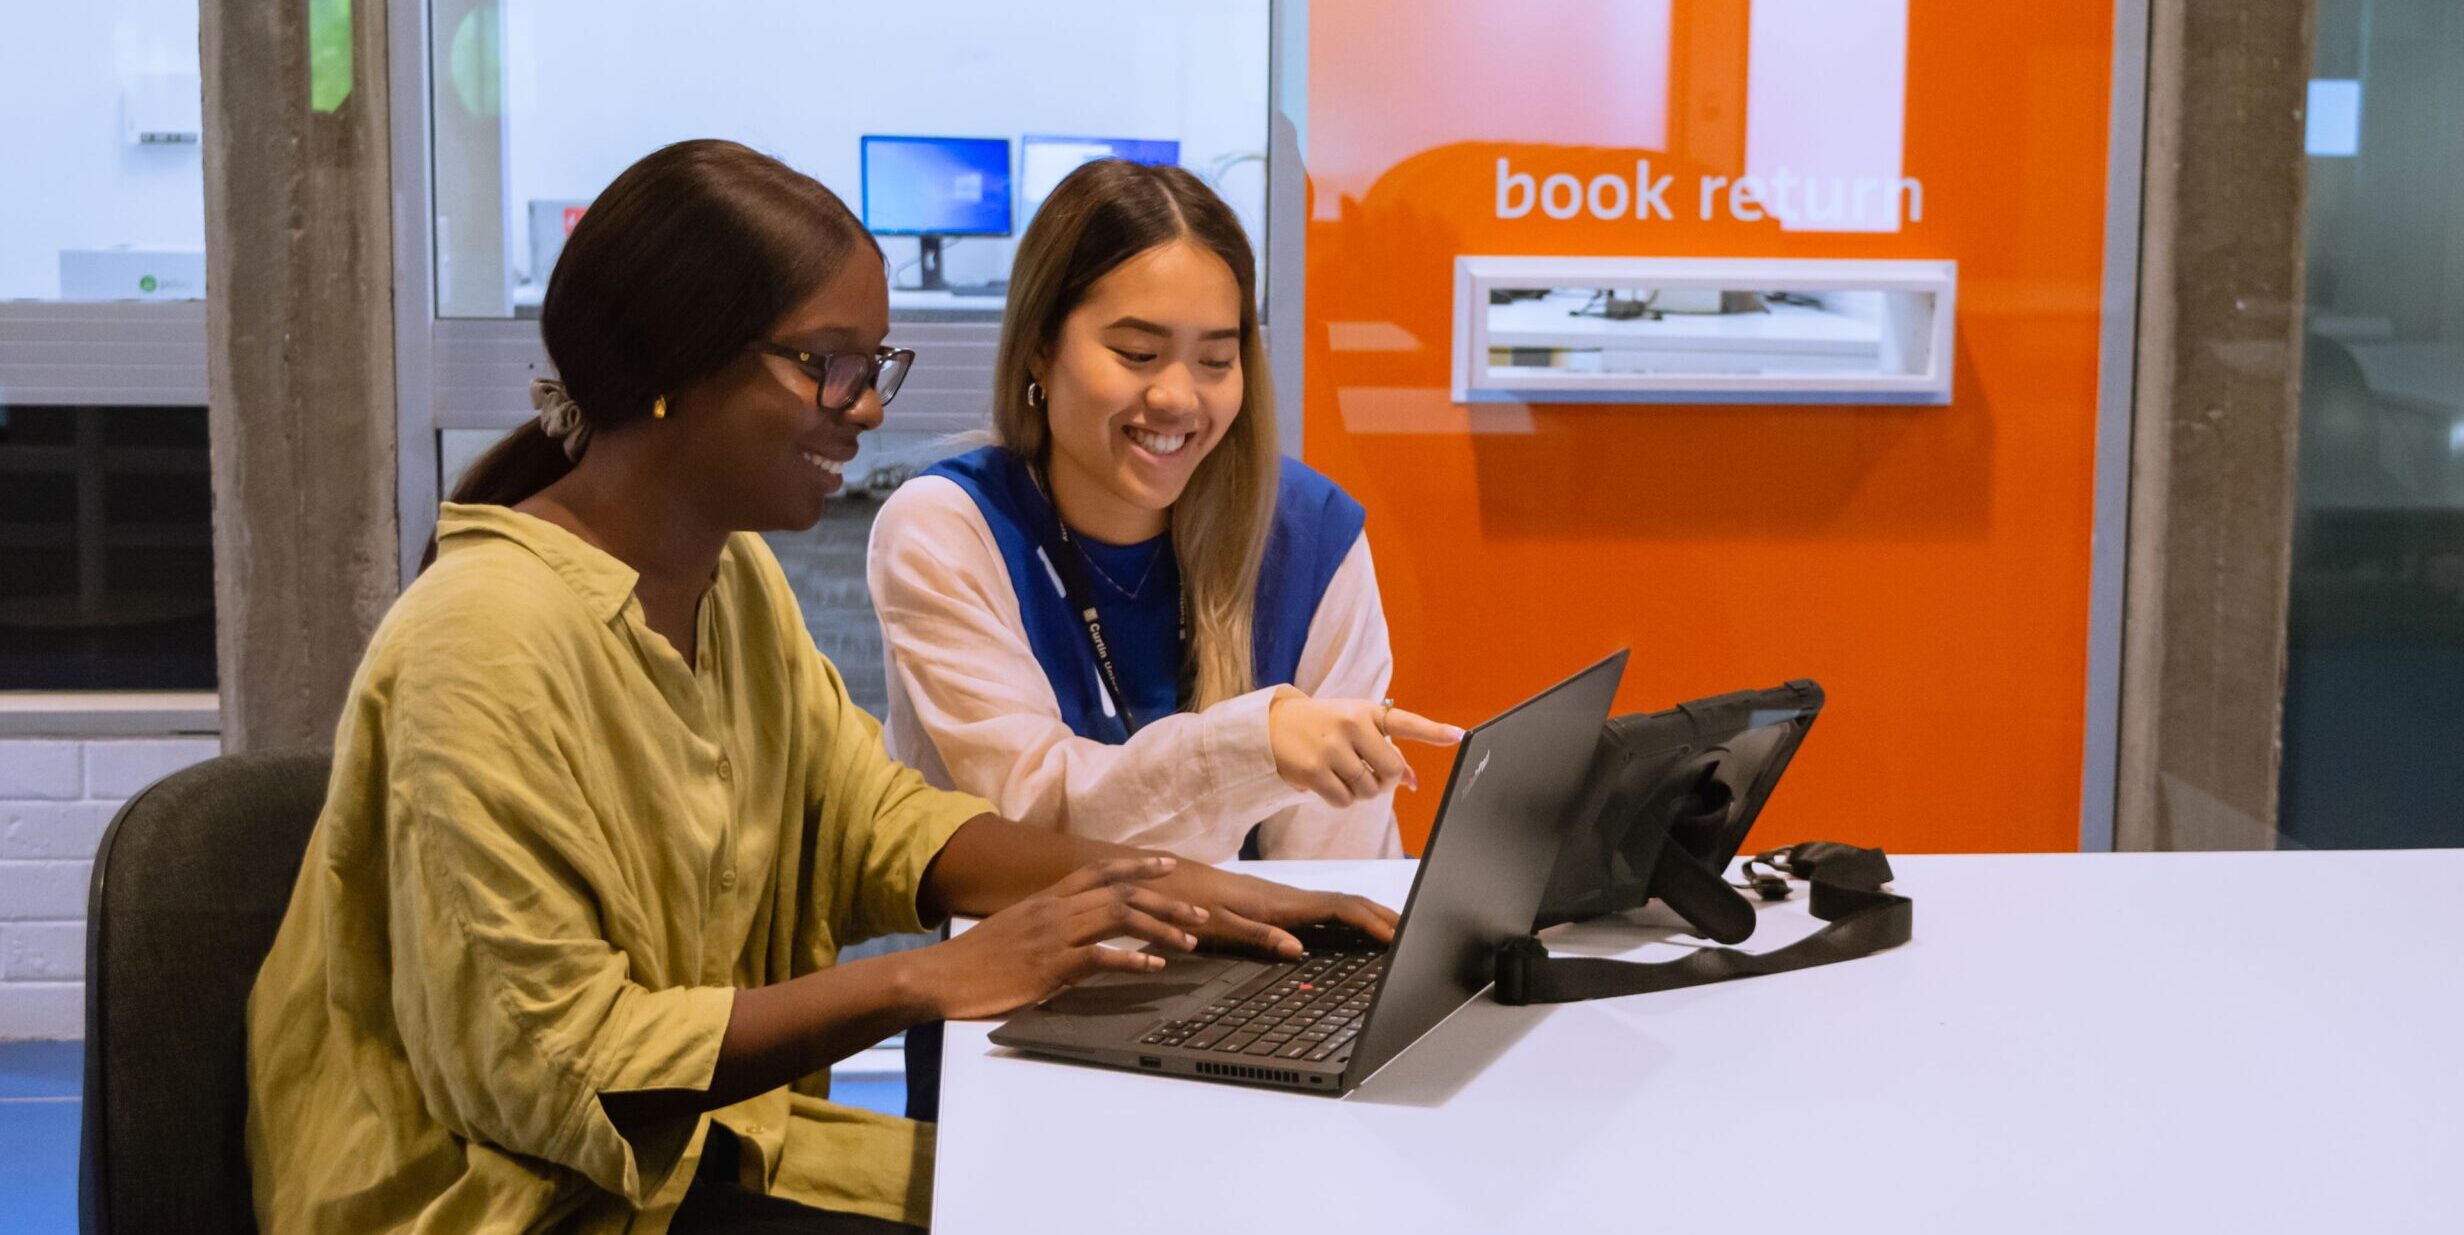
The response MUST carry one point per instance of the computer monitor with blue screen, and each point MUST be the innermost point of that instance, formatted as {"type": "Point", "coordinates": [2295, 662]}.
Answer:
{"type": "Point", "coordinates": [936, 187]}
{"type": "Point", "coordinates": [1043, 161]}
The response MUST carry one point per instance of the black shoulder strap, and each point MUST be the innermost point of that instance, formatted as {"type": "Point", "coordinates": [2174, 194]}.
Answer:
{"type": "Point", "coordinates": [1847, 881]}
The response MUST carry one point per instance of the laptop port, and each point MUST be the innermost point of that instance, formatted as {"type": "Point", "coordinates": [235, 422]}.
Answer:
{"type": "Point", "coordinates": [1149, 1061]}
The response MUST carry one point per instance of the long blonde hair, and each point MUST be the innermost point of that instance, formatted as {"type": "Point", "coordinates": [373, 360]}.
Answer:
{"type": "Point", "coordinates": [1102, 215]}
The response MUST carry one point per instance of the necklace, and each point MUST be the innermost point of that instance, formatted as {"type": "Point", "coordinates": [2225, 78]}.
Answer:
{"type": "Point", "coordinates": [1143, 580]}
{"type": "Point", "coordinates": [1068, 573]}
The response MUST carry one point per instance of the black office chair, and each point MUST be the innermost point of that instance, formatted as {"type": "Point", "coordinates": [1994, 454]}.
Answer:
{"type": "Point", "coordinates": [189, 888]}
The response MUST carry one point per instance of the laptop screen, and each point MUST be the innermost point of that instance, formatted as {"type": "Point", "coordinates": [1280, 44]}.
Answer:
{"type": "Point", "coordinates": [1505, 814]}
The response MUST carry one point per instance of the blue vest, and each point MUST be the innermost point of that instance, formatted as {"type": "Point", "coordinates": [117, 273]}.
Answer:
{"type": "Point", "coordinates": [1315, 525]}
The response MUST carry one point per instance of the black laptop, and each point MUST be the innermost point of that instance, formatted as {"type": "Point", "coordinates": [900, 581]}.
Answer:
{"type": "Point", "coordinates": [1324, 1023]}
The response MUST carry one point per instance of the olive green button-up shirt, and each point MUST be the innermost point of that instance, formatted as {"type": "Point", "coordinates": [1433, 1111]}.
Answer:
{"type": "Point", "coordinates": [550, 853]}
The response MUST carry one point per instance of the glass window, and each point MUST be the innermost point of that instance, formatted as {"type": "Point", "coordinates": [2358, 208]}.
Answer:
{"type": "Point", "coordinates": [943, 122]}
{"type": "Point", "coordinates": [2376, 658]}
{"type": "Point", "coordinates": [106, 190]}
{"type": "Point", "coordinates": [106, 549]}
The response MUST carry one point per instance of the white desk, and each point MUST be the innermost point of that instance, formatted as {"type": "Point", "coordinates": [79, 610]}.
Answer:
{"type": "Point", "coordinates": [2416, 376]}
{"type": "Point", "coordinates": [912, 302]}
{"type": "Point", "coordinates": [905, 301]}
{"type": "Point", "coordinates": [2181, 1043]}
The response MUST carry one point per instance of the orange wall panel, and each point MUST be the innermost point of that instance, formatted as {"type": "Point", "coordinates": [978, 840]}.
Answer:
{"type": "Point", "coordinates": [1930, 566]}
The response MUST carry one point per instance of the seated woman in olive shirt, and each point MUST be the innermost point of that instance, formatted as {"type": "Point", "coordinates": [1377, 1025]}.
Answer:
{"type": "Point", "coordinates": [563, 952]}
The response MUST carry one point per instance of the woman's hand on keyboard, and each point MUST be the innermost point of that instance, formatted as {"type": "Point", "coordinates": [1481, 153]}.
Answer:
{"type": "Point", "coordinates": [1251, 913]}
{"type": "Point", "coordinates": [1034, 949]}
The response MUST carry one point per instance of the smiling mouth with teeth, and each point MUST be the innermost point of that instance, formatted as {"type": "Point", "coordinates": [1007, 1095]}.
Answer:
{"type": "Point", "coordinates": [1158, 443]}
{"type": "Point", "coordinates": [817, 459]}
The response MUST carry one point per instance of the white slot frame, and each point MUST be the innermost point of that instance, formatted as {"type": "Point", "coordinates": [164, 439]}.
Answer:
{"type": "Point", "coordinates": [1925, 320]}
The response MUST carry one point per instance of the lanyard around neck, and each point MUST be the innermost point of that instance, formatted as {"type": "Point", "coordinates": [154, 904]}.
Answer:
{"type": "Point", "coordinates": [1079, 594]}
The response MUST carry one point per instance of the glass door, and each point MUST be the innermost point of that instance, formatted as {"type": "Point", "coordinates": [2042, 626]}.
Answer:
{"type": "Point", "coordinates": [2374, 689]}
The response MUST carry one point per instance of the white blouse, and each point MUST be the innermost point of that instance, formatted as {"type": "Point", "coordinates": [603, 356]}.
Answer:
{"type": "Point", "coordinates": [971, 709]}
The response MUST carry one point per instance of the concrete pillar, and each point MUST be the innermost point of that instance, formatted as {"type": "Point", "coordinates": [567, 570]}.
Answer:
{"type": "Point", "coordinates": [2219, 369]}
{"type": "Point", "coordinates": [300, 375]}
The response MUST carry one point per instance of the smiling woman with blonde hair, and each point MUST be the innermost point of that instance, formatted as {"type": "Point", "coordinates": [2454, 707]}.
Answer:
{"type": "Point", "coordinates": [1134, 618]}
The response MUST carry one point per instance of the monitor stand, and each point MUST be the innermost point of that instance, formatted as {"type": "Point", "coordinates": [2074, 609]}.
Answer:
{"type": "Point", "coordinates": [928, 264]}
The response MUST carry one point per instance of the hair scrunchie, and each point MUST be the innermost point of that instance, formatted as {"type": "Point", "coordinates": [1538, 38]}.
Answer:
{"type": "Point", "coordinates": [559, 416]}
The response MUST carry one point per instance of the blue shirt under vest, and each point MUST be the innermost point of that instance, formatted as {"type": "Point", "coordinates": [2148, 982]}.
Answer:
{"type": "Point", "coordinates": [1137, 588]}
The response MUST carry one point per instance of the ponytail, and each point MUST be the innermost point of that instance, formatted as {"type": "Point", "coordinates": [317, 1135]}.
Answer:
{"type": "Point", "coordinates": [524, 462]}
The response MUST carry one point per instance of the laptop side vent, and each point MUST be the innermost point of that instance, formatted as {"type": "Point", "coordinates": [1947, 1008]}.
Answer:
{"type": "Point", "coordinates": [1239, 1072]}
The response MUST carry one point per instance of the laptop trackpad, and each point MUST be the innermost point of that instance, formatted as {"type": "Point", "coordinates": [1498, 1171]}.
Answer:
{"type": "Point", "coordinates": [1113, 1009]}
{"type": "Point", "coordinates": [1146, 994]}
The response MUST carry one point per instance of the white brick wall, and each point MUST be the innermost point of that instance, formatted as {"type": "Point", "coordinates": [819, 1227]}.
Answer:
{"type": "Point", "coordinates": [56, 797]}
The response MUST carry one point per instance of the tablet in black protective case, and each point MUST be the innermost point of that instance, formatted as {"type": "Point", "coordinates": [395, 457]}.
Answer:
{"type": "Point", "coordinates": [1669, 799]}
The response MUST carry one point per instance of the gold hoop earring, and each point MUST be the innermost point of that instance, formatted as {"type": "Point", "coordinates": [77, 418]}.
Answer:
{"type": "Point", "coordinates": [1035, 395]}
{"type": "Point", "coordinates": [658, 408]}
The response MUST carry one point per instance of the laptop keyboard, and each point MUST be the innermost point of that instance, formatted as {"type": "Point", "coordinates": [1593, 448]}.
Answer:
{"type": "Point", "coordinates": [1309, 1010]}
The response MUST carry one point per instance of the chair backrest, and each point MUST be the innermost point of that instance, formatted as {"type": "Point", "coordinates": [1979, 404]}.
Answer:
{"type": "Point", "coordinates": [189, 887]}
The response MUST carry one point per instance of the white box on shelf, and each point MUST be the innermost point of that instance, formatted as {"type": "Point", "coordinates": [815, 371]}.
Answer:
{"type": "Point", "coordinates": [132, 274]}
{"type": "Point", "coordinates": [162, 109]}
{"type": "Point", "coordinates": [1703, 330]}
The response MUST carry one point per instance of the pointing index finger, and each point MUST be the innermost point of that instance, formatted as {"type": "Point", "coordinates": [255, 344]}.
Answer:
{"type": "Point", "coordinates": [1412, 727]}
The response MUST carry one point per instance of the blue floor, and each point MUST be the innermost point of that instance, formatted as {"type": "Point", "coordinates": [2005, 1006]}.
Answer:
{"type": "Point", "coordinates": [39, 1083]}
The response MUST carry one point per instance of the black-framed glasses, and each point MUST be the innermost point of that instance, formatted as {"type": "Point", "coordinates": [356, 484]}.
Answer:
{"type": "Point", "coordinates": [841, 378]}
